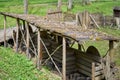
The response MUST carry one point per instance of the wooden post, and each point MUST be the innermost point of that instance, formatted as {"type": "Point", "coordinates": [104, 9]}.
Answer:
{"type": "Point", "coordinates": [39, 57]}
{"type": "Point", "coordinates": [25, 6]}
{"type": "Point", "coordinates": [5, 31]}
{"type": "Point", "coordinates": [27, 41]}
{"type": "Point", "coordinates": [111, 45]}
{"type": "Point", "coordinates": [93, 71]}
{"type": "Point", "coordinates": [79, 47]}
{"type": "Point", "coordinates": [64, 59]}
{"type": "Point", "coordinates": [23, 24]}
{"type": "Point", "coordinates": [86, 19]}
{"type": "Point", "coordinates": [17, 34]}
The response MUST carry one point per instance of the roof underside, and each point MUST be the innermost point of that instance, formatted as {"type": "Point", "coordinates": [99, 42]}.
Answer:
{"type": "Point", "coordinates": [63, 29]}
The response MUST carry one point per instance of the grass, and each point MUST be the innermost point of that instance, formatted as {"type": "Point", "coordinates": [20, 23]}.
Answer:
{"type": "Point", "coordinates": [105, 8]}
{"type": "Point", "coordinates": [14, 66]}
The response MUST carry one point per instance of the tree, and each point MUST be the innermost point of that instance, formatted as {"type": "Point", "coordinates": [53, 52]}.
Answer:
{"type": "Point", "coordinates": [25, 6]}
{"type": "Point", "coordinates": [59, 4]}
{"type": "Point", "coordinates": [70, 4]}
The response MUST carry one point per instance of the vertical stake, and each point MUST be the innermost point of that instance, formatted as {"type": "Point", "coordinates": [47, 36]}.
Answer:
{"type": "Point", "coordinates": [17, 34]}
{"type": "Point", "coordinates": [64, 59]}
{"type": "Point", "coordinates": [93, 71]}
{"type": "Point", "coordinates": [39, 58]}
{"type": "Point", "coordinates": [28, 41]}
{"type": "Point", "coordinates": [5, 31]}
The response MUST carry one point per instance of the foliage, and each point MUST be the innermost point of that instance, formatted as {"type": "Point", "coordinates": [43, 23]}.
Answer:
{"type": "Point", "coordinates": [14, 66]}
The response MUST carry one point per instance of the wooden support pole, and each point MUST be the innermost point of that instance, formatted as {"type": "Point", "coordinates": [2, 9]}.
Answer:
{"type": "Point", "coordinates": [39, 57]}
{"type": "Point", "coordinates": [27, 41]}
{"type": "Point", "coordinates": [111, 46]}
{"type": "Point", "coordinates": [25, 6]}
{"type": "Point", "coordinates": [5, 31]}
{"type": "Point", "coordinates": [93, 71]}
{"type": "Point", "coordinates": [64, 59]}
{"type": "Point", "coordinates": [23, 25]}
{"type": "Point", "coordinates": [17, 35]}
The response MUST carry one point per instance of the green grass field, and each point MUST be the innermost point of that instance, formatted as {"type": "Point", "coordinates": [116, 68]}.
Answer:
{"type": "Point", "coordinates": [14, 66]}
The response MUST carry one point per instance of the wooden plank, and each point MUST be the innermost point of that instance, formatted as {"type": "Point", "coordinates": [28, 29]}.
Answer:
{"type": "Point", "coordinates": [64, 59]}
{"type": "Point", "coordinates": [89, 58]}
{"type": "Point", "coordinates": [17, 34]}
{"type": "Point", "coordinates": [81, 61]}
{"type": "Point", "coordinates": [5, 44]}
{"type": "Point", "coordinates": [84, 72]}
{"type": "Point", "coordinates": [83, 67]}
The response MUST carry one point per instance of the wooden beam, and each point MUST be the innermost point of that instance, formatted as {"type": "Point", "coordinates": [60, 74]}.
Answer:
{"type": "Point", "coordinates": [111, 46]}
{"type": "Point", "coordinates": [64, 59]}
{"type": "Point", "coordinates": [17, 35]}
{"type": "Point", "coordinates": [94, 22]}
{"type": "Point", "coordinates": [39, 57]}
{"type": "Point", "coordinates": [5, 31]}
{"type": "Point", "coordinates": [27, 41]}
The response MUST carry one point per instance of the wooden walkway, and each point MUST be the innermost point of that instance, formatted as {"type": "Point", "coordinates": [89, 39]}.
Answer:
{"type": "Point", "coordinates": [61, 28]}
{"type": "Point", "coordinates": [57, 28]}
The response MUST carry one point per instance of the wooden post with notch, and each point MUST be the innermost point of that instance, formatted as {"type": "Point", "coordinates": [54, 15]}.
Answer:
{"type": "Point", "coordinates": [27, 40]}
{"type": "Point", "coordinates": [64, 59]}
{"type": "Point", "coordinates": [17, 35]}
{"type": "Point", "coordinates": [39, 57]}
{"type": "Point", "coordinates": [5, 21]}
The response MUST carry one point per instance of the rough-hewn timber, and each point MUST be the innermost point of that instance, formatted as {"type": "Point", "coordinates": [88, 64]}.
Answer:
{"type": "Point", "coordinates": [62, 28]}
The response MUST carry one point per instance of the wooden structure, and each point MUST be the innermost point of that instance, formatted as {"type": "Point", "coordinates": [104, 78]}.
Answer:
{"type": "Point", "coordinates": [50, 42]}
{"type": "Point", "coordinates": [116, 12]}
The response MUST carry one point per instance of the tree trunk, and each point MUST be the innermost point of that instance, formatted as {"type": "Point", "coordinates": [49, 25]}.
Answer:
{"type": "Point", "coordinates": [59, 4]}
{"type": "Point", "coordinates": [70, 4]}
{"type": "Point", "coordinates": [25, 6]}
